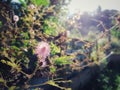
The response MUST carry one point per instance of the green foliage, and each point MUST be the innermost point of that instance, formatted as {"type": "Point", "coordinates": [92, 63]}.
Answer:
{"type": "Point", "coordinates": [115, 46]}
{"type": "Point", "coordinates": [18, 40]}
{"type": "Point", "coordinates": [56, 83]}
{"type": "Point", "coordinates": [104, 80]}
{"type": "Point", "coordinates": [108, 79]}
{"type": "Point", "coordinates": [12, 88]}
{"type": "Point", "coordinates": [41, 23]}
{"type": "Point", "coordinates": [25, 35]}
{"type": "Point", "coordinates": [62, 60]}
{"type": "Point", "coordinates": [12, 64]}
{"type": "Point", "coordinates": [49, 30]}
{"type": "Point", "coordinates": [1, 80]}
{"type": "Point", "coordinates": [52, 83]}
{"type": "Point", "coordinates": [52, 69]}
{"type": "Point", "coordinates": [54, 49]}
{"type": "Point", "coordinates": [0, 23]}
{"type": "Point", "coordinates": [94, 56]}
{"type": "Point", "coordinates": [41, 2]}
{"type": "Point", "coordinates": [24, 4]}
{"type": "Point", "coordinates": [117, 82]}
{"type": "Point", "coordinates": [50, 26]}
{"type": "Point", "coordinates": [116, 32]}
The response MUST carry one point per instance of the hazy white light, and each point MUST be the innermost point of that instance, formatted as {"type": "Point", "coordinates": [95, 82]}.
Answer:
{"type": "Point", "coordinates": [111, 52]}
{"type": "Point", "coordinates": [91, 5]}
{"type": "Point", "coordinates": [17, 1]}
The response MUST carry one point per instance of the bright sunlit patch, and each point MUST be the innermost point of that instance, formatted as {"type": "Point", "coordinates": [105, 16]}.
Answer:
{"type": "Point", "coordinates": [17, 1]}
{"type": "Point", "coordinates": [91, 5]}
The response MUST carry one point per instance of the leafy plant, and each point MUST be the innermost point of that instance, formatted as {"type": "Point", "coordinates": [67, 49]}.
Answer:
{"type": "Point", "coordinates": [62, 60]}
{"type": "Point", "coordinates": [24, 4]}
{"type": "Point", "coordinates": [115, 45]}
{"type": "Point", "coordinates": [52, 69]}
{"type": "Point", "coordinates": [36, 21]}
{"type": "Point", "coordinates": [54, 49]}
{"type": "Point", "coordinates": [116, 32]}
{"type": "Point", "coordinates": [50, 27]}
{"type": "Point", "coordinates": [117, 82]}
{"type": "Point", "coordinates": [41, 2]}
{"type": "Point", "coordinates": [12, 64]}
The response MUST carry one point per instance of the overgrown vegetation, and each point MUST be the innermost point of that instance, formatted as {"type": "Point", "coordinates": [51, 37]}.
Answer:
{"type": "Point", "coordinates": [35, 43]}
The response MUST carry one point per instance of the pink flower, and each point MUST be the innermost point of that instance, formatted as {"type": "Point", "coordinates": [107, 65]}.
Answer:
{"type": "Point", "coordinates": [15, 18]}
{"type": "Point", "coordinates": [42, 51]}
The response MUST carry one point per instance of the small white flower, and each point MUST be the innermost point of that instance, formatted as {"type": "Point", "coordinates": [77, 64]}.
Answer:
{"type": "Point", "coordinates": [15, 18]}
{"type": "Point", "coordinates": [34, 18]}
{"type": "Point", "coordinates": [68, 33]}
{"type": "Point", "coordinates": [31, 6]}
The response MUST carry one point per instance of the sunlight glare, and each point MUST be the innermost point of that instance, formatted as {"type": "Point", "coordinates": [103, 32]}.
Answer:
{"type": "Point", "coordinates": [91, 5]}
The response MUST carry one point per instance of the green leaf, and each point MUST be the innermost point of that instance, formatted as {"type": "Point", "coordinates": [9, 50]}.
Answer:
{"type": "Point", "coordinates": [52, 69]}
{"type": "Point", "coordinates": [15, 48]}
{"type": "Point", "coordinates": [63, 60]}
{"type": "Point", "coordinates": [3, 61]}
{"type": "Point", "coordinates": [1, 80]}
{"type": "Point", "coordinates": [12, 64]}
{"type": "Point", "coordinates": [23, 3]}
{"type": "Point", "coordinates": [12, 88]}
{"type": "Point", "coordinates": [41, 2]}
{"type": "Point", "coordinates": [54, 49]}
{"type": "Point", "coordinates": [25, 35]}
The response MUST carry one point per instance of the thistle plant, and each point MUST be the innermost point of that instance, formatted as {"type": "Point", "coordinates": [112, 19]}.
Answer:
{"type": "Point", "coordinates": [42, 51]}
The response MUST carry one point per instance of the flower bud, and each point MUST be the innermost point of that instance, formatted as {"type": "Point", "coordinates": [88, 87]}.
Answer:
{"type": "Point", "coordinates": [15, 18]}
